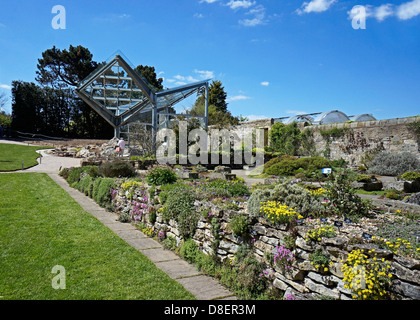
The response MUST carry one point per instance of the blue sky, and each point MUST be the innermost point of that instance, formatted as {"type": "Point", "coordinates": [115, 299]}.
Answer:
{"type": "Point", "coordinates": [276, 58]}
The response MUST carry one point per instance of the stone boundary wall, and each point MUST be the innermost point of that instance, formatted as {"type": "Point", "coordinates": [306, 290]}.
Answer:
{"type": "Point", "coordinates": [360, 137]}
{"type": "Point", "coordinates": [302, 280]}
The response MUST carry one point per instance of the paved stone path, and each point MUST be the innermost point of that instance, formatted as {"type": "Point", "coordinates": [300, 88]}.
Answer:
{"type": "Point", "coordinates": [201, 286]}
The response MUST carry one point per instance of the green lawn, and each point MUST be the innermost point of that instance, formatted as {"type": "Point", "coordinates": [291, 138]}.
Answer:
{"type": "Point", "coordinates": [12, 155]}
{"type": "Point", "coordinates": [41, 226]}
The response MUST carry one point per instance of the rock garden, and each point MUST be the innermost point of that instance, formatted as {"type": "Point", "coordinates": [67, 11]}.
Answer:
{"type": "Point", "coordinates": [300, 235]}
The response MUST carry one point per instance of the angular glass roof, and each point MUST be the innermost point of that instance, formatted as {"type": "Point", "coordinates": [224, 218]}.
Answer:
{"type": "Point", "coordinates": [120, 94]}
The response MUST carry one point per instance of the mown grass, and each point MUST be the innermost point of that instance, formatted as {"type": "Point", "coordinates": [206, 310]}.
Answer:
{"type": "Point", "coordinates": [41, 226]}
{"type": "Point", "coordinates": [12, 155]}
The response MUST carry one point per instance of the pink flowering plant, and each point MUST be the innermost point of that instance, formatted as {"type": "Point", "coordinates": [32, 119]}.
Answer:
{"type": "Point", "coordinates": [283, 258]}
{"type": "Point", "coordinates": [140, 207]}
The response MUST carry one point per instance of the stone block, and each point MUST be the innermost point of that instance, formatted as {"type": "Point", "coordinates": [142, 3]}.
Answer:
{"type": "Point", "coordinates": [228, 246]}
{"type": "Point", "coordinates": [335, 269]}
{"type": "Point", "coordinates": [280, 284]}
{"type": "Point", "coordinates": [328, 280]}
{"type": "Point", "coordinates": [412, 264]}
{"type": "Point", "coordinates": [321, 289]}
{"type": "Point", "coordinates": [406, 274]}
{"type": "Point", "coordinates": [406, 289]}
{"type": "Point", "coordinates": [299, 287]}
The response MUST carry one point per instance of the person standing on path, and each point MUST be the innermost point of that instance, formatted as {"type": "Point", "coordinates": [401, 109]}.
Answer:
{"type": "Point", "coordinates": [121, 147]}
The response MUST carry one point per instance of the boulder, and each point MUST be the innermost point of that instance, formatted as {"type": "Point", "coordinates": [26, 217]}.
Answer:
{"type": "Point", "coordinates": [411, 187]}
{"type": "Point", "coordinates": [373, 186]}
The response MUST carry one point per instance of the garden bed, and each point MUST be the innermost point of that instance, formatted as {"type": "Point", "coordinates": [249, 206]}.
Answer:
{"type": "Point", "coordinates": [284, 241]}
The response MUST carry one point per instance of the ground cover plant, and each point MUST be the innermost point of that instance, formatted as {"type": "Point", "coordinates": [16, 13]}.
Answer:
{"type": "Point", "coordinates": [46, 227]}
{"type": "Point", "coordinates": [12, 156]}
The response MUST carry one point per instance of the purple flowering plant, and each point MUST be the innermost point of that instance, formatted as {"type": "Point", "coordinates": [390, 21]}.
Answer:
{"type": "Point", "coordinates": [283, 258]}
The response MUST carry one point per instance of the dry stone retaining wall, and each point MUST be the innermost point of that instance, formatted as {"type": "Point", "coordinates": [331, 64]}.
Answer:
{"type": "Point", "coordinates": [302, 280]}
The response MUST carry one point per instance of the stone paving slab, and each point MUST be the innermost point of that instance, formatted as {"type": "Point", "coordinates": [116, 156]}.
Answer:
{"type": "Point", "coordinates": [159, 255]}
{"type": "Point", "coordinates": [178, 269]}
{"type": "Point", "coordinates": [130, 235]}
{"type": "Point", "coordinates": [211, 290]}
{"type": "Point", "coordinates": [145, 243]}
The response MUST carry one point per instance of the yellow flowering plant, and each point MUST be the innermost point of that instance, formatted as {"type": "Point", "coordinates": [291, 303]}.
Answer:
{"type": "Point", "coordinates": [397, 246]}
{"type": "Point", "coordinates": [317, 193]}
{"type": "Point", "coordinates": [367, 278]}
{"type": "Point", "coordinates": [320, 232]}
{"type": "Point", "coordinates": [278, 213]}
{"type": "Point", "coordinates": [130, 186]}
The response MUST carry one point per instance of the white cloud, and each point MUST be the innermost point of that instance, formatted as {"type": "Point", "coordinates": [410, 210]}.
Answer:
{"type": "Point", "coordinates": [181, 80]}
{"type": "Point", "coordinates": [315, 6]}
{"type": "Point", "coordinates": [404, 11]}
{"type": "Point", "coordinates": [5, 86]}
{"type": "Point", "coordinates": [205, 74]}
{"type": "Point", "coordinates": [384, 11]}
{"type": "Point", "coordinates": [408, 10]}
{"type": "Point", "coordinates": [253, 117]}
{"type": "Point", "coordinates": [295, 112]}
{"type": "Point", "coordinates": [265, 83]}
{"type": "Point", "coordinates": [198, 15]}
{"type": "Point", "coordinates": [236, 4]}
{"type": "Point", "coordinates": [208, 1]}
{"type": "Point", "coordinates": [238, 98]}
{"type": "Point", "coordinates": [259, 17]}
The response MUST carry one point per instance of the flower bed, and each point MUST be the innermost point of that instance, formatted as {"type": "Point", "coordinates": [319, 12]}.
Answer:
{"type": "Point", "coordinates": [306, 256]}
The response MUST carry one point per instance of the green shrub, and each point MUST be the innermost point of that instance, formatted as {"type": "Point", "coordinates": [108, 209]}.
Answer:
{"type": "Point", "coordinates": [217, 192]}
{"type": "Point", "coordinates": [411, 176]}
{"type": "Point", "coordinates": [238, 189]}
{"type": "Point", "coordinates": [64, 173]}
{"type": "Point", "coordinates": [180, 206]}
{"type": "Point", "coordinates": [288, 166]}
{"type": "Point", "coordinates": [86, 185]}
{"type": "Point", "coordinates": [255, 200]}
{"type": "Point", "coordinates": [297, 198]}
{"type": "Point", "coordinates": [160, 176]}
{"type": "Point", "coordinates": [393, 195]}
{"type": "Point", "coordinates": [393, 164]}
{"type": "Point", "coordinates": [170, 243]}
{"type": "Point", "coordinates": [313, 163]}
{"type": "Point", "coordinates": [189, 250]}
{"type": "Point", "coordinates": [117, 169]}
{"type": "Point", "coordinates": [320, 260]}
{"type": "Point", "coordinates": [74, 175]}
{"type": "Point", "coordinates": [95, 187]}
{"type": "Point", "coordinates": [218, 183]}
{"type": "Point", "coordinates": [363, 178]}
{"type": "Point", "coordinates": [339, 163]}
{"type": "Point", "coordinates": [103, 191]}
{"type": "Point", "coordinates": [285, 139]}
{"type": "Point", "coordinates": [239, 225]}
{"type": "Point", "coordinates": [283, 168]}
{"type": "Point", "coordinates": [343, 199]}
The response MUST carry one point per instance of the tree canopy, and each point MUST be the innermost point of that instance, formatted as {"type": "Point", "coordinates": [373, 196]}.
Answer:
{"type": "Point", "coordinates": [218, 112]}
{"type": "Point", "coordinates": [62, 68]}
{"type": "Point", "coordinates": [52, 107]}
{"type": "Point", "coordinates": [150, 74]}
